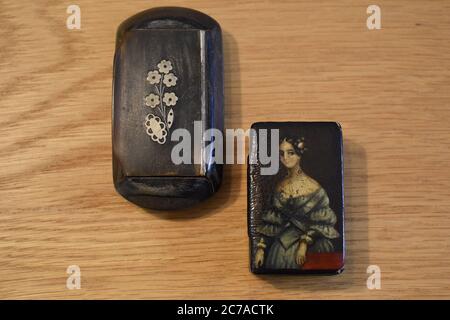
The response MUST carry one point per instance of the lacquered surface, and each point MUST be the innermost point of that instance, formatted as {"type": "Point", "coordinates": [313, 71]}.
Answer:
{"type": "Point", "coordinates": [143, 166]}
{"type": "Point", "coordinates": [316, 202]}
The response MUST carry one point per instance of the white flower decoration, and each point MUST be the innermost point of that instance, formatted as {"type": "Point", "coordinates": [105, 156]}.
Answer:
{"type": "Point", "coordinates": [170, 80]}
{"type": "Point", "coordinates": [165, 66]}
{"type": "Point", "coordinates": [152, 100]}
{"type": "Point", "coordinates": [170, 99]}
{"type": "Point", "coordinates": [156, 129]}
{"type": "Point", "coordinates": [153, 77]}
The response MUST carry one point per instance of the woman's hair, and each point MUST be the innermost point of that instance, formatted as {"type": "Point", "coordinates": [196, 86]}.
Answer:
{"type": "Point", "coordinates": [299, 149]}
{"type": "Point", "coordinates": [296, 142]}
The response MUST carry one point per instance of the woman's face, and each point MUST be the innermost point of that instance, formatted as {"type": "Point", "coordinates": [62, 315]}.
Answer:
{"type": "Point", "coordinates": [288, 156]}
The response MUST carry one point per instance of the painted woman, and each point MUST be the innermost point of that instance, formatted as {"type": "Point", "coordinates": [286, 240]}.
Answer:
{"type": "Point", "coordinates": [299, 219]}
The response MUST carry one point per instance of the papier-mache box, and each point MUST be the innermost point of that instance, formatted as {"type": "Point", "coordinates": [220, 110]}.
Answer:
{"type": "Point", "coordinates": [168, 82]}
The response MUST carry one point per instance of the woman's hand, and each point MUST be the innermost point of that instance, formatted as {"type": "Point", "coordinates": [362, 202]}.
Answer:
{"type": "Point", "coordinates": [259, 258]}
{"type": "Point", "coordinates": [301, 254]}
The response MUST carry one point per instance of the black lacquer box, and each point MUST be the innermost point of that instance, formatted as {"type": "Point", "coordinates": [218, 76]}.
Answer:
{"type": "Point", "coordinates": [167, 89]}
{"type": "Point", "coordinates": [296, 209]}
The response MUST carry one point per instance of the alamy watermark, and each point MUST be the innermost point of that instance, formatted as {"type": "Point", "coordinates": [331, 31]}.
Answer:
{"type": "Point", "coordinates": [74, 280]}
{"type": "Point", "coordinates": [73, 21]}
{"type": "Point", "coordinates": [373, 22]}
{"type": "Point", "coordinates": [374, 280]}
{"type": "Point", "coordinates": [209, 145]}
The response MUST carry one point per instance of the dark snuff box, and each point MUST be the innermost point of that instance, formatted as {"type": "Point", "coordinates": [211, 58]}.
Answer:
{"type": "Point", "coordinates": [296, 212]}
{"type": "Point", "coordinates": [168, 75]}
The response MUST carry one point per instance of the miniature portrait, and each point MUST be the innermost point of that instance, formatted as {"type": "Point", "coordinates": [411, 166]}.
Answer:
{"type": "Point", "coordinates": [299, 225]}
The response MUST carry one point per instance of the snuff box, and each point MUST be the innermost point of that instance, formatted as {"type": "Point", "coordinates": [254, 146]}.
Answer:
{"type": "Point", "coordinates": [167, 92]}
{"type": "Point", "coordinates": [296, 209]}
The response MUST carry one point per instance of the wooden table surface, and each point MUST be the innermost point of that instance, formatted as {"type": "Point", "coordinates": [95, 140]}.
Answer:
{"type": "Point", "coordinates": [284, 60]}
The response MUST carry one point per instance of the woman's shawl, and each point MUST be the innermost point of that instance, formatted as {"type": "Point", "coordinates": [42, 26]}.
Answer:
{"type": "Point", "coordinates": [299, 218]}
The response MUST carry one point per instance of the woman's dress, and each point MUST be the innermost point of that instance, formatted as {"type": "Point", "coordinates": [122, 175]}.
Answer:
{"type": "Point", "coordinates": [292, 220]}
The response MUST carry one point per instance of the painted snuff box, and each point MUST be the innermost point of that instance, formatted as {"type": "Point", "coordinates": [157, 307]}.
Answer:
{"type": "Point", "coordinates": [167, 90]}
{"type": "Point", "coordinates": [296, 210]}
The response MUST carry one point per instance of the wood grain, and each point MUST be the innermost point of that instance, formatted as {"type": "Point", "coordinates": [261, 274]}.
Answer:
{"type": "Point", "coordinates": [284, 60]}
